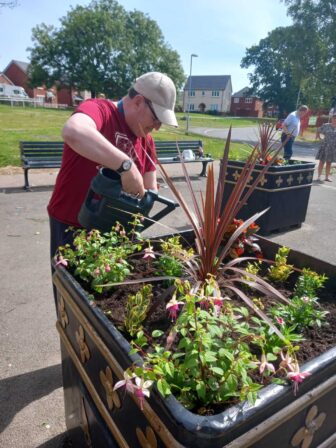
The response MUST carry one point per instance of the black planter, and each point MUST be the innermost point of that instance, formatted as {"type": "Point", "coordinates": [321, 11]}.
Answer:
{"type": "Point", "coordinates": [285, 189]}
{"type": "Point", "coordinates": [95, 354]}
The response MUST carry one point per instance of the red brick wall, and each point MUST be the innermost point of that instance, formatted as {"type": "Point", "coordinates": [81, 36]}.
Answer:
{"type": "Point", "coordinates": [64, 96]}
{"type": "Point", "coordinates": [242, 109]}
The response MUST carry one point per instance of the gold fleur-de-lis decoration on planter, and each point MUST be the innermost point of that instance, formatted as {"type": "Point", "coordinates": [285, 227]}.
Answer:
{"type": "Point", "coordinates": [236, 175]}
{"type": "Point", "coordinates": [263, 180]}
{"type": "Point", "coordinates": [305, 434]}
{"type": "Point", "coordinates": [148, 440]}
{"type": "Point", "coordinates": [83, 348]}
{"type": "Point", "coordinates": [112, 396]}
{"type": "Point", "coordinates": [279, 181]}
{"type": "Point", "coordinates": [290, 180]}
{"type": "Point", "coordinates": [300, 178]}
{"type": "Point", "coordinates": [62, 313]}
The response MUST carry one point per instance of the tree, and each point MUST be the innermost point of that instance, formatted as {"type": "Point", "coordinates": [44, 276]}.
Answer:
{"type": "Point", "coordinates": [101, 48]}
{"type": "Point", "coordinates": [273, 76]}
{"type": "Point", "coordinates": [319, 17]}
{"type": "Point", "coordinates": [297, 63]}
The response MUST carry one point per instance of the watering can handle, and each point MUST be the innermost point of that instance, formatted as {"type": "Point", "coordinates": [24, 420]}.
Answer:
{"type": "Point", "coordinates": [170, 205]}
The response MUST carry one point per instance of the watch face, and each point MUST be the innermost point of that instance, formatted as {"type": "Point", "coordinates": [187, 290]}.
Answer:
{"type": "Point", "coordinates": [127, 165]}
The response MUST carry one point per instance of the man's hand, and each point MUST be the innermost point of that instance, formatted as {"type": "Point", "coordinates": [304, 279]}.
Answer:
{"type": "Point", "coordinates": [132, 182]}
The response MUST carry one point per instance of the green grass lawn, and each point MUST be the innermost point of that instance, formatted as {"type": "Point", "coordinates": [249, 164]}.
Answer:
{"type": "Point", "coordinates": [18, 123]}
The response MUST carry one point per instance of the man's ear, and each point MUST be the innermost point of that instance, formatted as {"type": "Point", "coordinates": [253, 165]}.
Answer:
{"type": "Point", "coordinates": [138, 100]}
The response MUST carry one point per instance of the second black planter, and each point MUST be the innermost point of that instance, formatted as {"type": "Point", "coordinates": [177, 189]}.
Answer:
{"type": "Point", "coordinates": [283, 189]}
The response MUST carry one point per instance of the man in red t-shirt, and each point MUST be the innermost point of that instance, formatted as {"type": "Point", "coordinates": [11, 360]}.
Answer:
{"type": "Point", "coordinates": [114, 135]}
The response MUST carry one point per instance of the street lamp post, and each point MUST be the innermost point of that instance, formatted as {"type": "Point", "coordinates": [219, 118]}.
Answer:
{"type": "Point", "coordinates": [189, 98]}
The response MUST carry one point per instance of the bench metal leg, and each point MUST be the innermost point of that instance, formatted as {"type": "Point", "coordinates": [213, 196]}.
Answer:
{"type": "Point", "coordinates": [26, 185]}
{"type": "Point", "coordinates": [204, 171]}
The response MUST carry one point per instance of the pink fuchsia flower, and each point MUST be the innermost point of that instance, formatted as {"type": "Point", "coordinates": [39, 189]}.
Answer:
{"type": "Point", "coordinates": [107, 268]}
{"type": "Point", "coordinates": [62, 261]}
{"type": "Point", "coordinates": [280, 321]}
{"type": "Point", "coordinates": [173, 306]}
{"type": "Point", "coordinates": [297, 377]}
{"type": "Point", "coordinates": [127, 382]}
{"type": "Point", "coordinates": [287, 362]}
{"type": "Point", "coordinates": [149, 253]}
{"type": "Point", "coordinates": [96, 272]}
{"type": "Point", "coordinates": [142, 390]}
{"type": "Point", "coordinates": [265, 365]}
{"type": "Point", "coordinates": [122, 233]}
{"type": "Point", "coordinates": [305, 299]}
{"type": "Point", "coordinates": [217, 303]}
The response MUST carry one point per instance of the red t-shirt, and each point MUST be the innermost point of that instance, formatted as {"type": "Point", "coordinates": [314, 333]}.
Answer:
{"type": "Point", "coordinates": [76, 173]}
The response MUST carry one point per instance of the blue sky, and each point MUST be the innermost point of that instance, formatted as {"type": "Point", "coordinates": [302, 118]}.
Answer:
{"type": "Point", "coordinates": [218, 31]}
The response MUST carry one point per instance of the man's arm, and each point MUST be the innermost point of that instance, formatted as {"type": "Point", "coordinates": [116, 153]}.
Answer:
{"type": "Point", "coordinates": [81, 134]}
{"type": "Point", "coordinates": [150, 180]}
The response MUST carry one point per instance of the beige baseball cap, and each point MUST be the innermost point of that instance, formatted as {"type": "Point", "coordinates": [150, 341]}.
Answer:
{"type": "Point", "coordinates": [160, 90]}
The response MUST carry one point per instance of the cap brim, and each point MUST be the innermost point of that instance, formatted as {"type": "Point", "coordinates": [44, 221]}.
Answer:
{"type": "Point", "coordinates": [166, 116]}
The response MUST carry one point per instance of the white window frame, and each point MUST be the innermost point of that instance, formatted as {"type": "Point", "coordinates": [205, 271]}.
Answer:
{"type": "Point", "coordinates": [248, 100]}
{"type": "Point", "coordinates": [191, 93]}
{"type": "Point", "coordinates": [236, 100]}
{"type": "Point", "coordinates": [214, 107]}
{"type": "Point", "coordinates": [215, 93]}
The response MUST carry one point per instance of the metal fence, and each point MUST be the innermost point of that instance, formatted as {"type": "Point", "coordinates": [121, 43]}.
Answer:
{"type": "Point", "coordinates": [31, 102]}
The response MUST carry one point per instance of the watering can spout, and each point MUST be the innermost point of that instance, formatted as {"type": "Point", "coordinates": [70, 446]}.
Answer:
{"type": "Point", "coordinates": [106, 203]}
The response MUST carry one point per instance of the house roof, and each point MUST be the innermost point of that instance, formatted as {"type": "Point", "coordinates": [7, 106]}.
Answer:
{"type": "Point", "coordinates": [216, 82]}
{"type": "Point", "coordinates": [22, 65]}
{"type": "Point", "coordinates": [242, 93]}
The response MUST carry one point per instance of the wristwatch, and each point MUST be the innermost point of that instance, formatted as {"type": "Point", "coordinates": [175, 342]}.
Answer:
{"type": "Point", "coordinates": [125, 166]}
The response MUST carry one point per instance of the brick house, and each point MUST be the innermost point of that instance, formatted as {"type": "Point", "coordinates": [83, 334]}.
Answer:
{"type": "Point", "coordinates": [207, 93]}
{"type": "Point", "coordinates": [5, 80]}
{"type": "Point", "coordinates": [245, 105]}
{"type": "Point", "coordinates": [17, 73]}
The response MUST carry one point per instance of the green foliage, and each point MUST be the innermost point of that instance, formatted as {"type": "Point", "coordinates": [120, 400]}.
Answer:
{"type": "Point", "coordinates": [173, 257]}
{"type": "Point", "coordinates": [102, 48]}
{"type": "Point", "coordinates": [280, 271]}
{"type": "Point", "coordinates": [136, 309]}
{"type": "Point", "coordinates": [304, 310]}
{"type": "Point", "coordinates": [309, 283]}
{"type": "Point", "coordinates": [99, 259]}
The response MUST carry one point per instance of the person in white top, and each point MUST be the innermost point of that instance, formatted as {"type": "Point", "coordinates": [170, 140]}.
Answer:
{"type": "Point", "coordinates": [291, 129]}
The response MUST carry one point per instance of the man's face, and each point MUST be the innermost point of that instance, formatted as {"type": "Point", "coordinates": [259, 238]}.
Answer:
{"type": "Point", "coordinates": [146, 119]}
{"type": "Point", "coordinates": [303, 113]}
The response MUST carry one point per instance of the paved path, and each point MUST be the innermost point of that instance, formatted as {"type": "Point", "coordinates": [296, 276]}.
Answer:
{"type": "Point", "coordinates": [31, 394]}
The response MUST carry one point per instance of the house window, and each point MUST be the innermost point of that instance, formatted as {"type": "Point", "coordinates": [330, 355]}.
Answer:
{"type": "Point", "coordinates": [215, 93]}
{"type": "Point", "coordinates": [236, 100]}
{"type": "Point", "coordinates": [248, 100]}
{"type": "Point", "coordinates": [191, 93]}
{"type": "Point", "coordinates": [191, 107]}
{"type": "Point", "coordinates": [213, 106]}
{"type": "Point", "coordinates": [1, 89]}
{"type": "Point", "coordinates": [203, 93]}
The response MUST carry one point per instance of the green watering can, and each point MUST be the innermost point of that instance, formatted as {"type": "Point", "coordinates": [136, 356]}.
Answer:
{"type": "Point", "coordinates": [106, 203]}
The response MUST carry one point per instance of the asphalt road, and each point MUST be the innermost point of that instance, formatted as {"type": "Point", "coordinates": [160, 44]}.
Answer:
{"type": "Point", "coordinates": [303, 150]}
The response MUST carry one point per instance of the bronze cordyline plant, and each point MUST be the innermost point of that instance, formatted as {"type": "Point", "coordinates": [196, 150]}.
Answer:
{"type": "Point", "coordinates": [210, 220]}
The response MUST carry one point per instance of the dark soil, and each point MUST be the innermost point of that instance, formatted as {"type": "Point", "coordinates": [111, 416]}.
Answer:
{"type": "Point", "coordinates": [316, 340]}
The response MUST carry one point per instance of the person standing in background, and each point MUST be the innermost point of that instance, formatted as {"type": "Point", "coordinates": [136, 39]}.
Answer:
{"type": "Point", "coordinates": [327, 152]}
{"type": "Point", "coordinates": [291, 129]}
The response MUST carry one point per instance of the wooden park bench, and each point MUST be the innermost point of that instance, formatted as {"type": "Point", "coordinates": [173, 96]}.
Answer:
{"type": "Point", "coordinates": [167, 152]}
{"type": "Point", "coordinates": [40, 155]}
{"type": "Point", "coordinates": [49, 154]}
